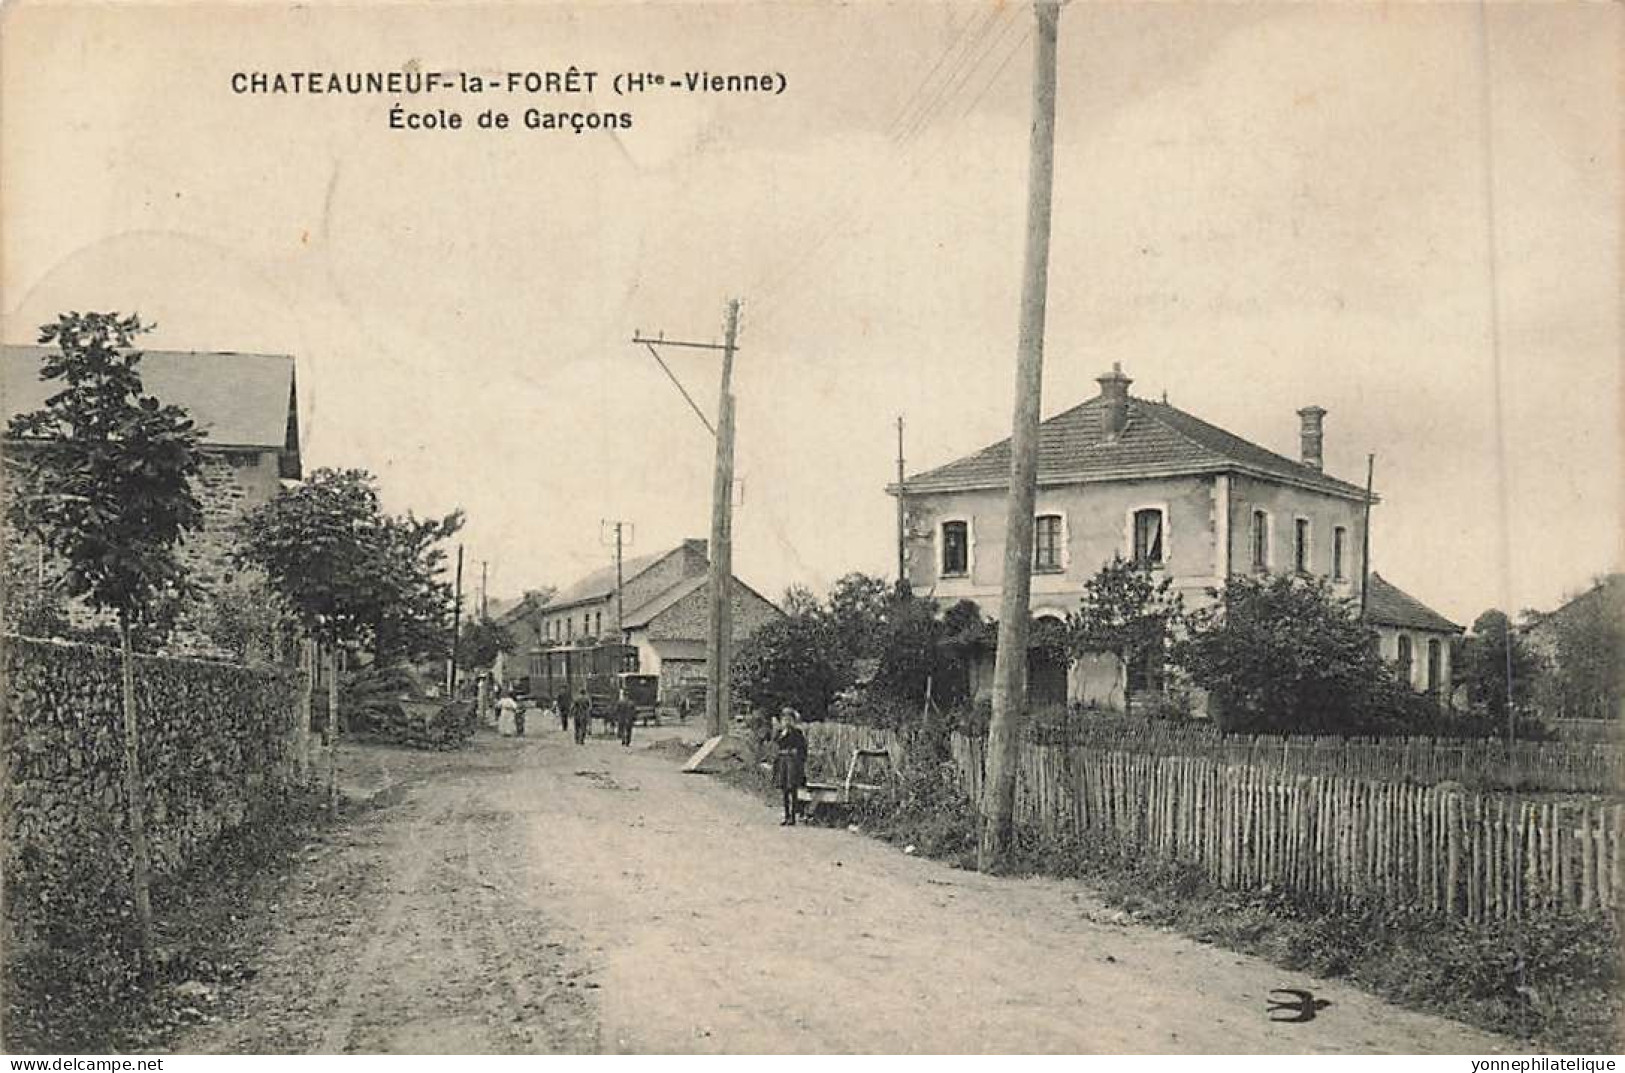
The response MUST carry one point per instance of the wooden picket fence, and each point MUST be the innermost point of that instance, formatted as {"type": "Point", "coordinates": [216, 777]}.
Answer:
{"type": "Point", "coordinates": [1581, 767]}
{"type": "Point", "coordinates": [1331, 837]}
{"type": "Point", "coordinates": [830, 745]}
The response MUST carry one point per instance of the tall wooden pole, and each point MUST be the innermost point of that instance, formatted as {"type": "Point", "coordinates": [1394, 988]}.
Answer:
{"type": "Point", "coordinates": [307, 693]}
{"type": "Point", "coordinates": [902, 536]}
{"type": "Point", "coordinates": [456, 624]}
{"type": "Point", "coordinates": [719, 632]}
{"type": "Point", "coordinates": [1365, 534]}
{"type": "Point", "coordinates": [1010, 666]}
{"type": "Point", "coordinates": [620, 595]}
{"type": "Point", "coordinates": [333, 725]}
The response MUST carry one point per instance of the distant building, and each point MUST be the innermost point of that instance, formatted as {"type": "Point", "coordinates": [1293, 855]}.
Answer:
{"type": "Point", "coordinates": [247, 404]}
{"type": "Point", "coordinates": [1149, 481]}
{"type": "Point", "coordinates": [664, 597]}
{"type": "Point", "coordinates": [1414, 638]}
{"type": "Point", "coordinates": [1586, 677]}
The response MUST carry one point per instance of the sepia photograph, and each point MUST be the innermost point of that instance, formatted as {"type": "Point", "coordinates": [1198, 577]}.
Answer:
{"type": "Point", "coordinates": [891, 527]}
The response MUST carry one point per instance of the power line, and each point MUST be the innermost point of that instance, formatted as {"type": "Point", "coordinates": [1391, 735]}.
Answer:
{"type": "Point", "coordinates": [906, 110]}
{"type": "Point", "coordinates": [777, 282]}
{"type": "Point", "coordinates": [983, 45]}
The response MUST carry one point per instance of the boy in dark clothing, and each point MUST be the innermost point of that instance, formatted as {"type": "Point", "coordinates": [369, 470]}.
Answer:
{"type": "Point", "coordinates": [789, 762]}
{"type": "Point", "coordinates": [563, 703]}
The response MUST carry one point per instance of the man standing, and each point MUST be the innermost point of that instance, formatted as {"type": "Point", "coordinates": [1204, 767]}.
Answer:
{"type": "Point", "coordinates": [626, 713]}
{"type": "Point", "coordinates": [581, 715]}
{"type": "Point", "coordinates": [563, 704]}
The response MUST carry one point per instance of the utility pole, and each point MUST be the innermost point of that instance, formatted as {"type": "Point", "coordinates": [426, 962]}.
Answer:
{"type": "Point", "coordinates": [621, 540]}
{"type": "Point", "coordinates": [483, 604]}
{"type": "Point", "coordinates": [1365, 534]}
{"type": "Point", "coordinates": [456, 623]}
{"type": "Point", "coordinates": [902, 536]}
{"type": "Point", "coordinates": [1010, 664]}
{"type": "Point", "coordinates": [719, 625]}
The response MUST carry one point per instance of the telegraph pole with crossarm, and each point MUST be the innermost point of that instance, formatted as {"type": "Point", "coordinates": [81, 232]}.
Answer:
{"type": "Point", "coordinates": [719, 625]}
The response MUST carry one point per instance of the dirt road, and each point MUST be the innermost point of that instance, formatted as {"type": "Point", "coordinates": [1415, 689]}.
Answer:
{"type": "Point", "coordinates": [532, 895]}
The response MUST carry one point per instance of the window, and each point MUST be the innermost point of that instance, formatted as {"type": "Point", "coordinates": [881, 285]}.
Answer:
{"type": "Point", "coordinates": [1148, 535]}
{"type": "Point", "coordinates": [955, 549]}
{"type": "Point", "coordinates": [1261, 540]}
{"type": "Point", "coordinates": [1047, 543]}
{"type": "Point", "coordinates": [1340, 538]}
{"type": "Point", "coordinates": [1435, 665]}
{"type": "Point", "coordinates": [586, 625]}
{"type": "Point", "coordinates": [569, 629]}
{"type": "Point", "coordinates": [597, 623]}
{"type": "Point", "coordinates": [1404, 661]}
{"type": "Point", "coordinates": [1300, 545]}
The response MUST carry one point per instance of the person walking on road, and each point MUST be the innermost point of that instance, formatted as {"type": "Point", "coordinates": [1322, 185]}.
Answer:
{"type": "Point", "coordinates": [789, 761]}
{"type": "Point", "coordinates": [581, 715]}
{"type": "Point", "coordinates": [562, 702]}
{"type": "Point", "coordinates": [508, 715]}
{"type": "Point", "coordinates": [626, 713]}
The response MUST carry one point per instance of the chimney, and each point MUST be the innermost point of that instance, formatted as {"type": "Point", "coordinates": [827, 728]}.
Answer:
{"type": "Point", "coordinates": [1311, 436]}
{"type": "Point", "coordinates": [1114, 389]}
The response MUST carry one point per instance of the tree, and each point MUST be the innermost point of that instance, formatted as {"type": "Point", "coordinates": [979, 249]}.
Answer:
{"type": "Point", "coordinates": [350, 574]}
{"type": "Point", "coordinates": [857, 610]}
{"type": "Point", "coordinates": [1283, 655]}
{"type": "Point", "coordinates": [912, 650]}
{"type": "Point", "coordinates": [799, 600]}
{"type": "Point", "coordinates": [1486, 665]}
{"type": "Point", "coordinates": [240, 618]}
{"type": "Point", "coordinates": [791, 661]}
{"type": "Point", "coordinates": [1126, 611]}
{"type": "Point", "coordinates": [107, 488]}
{"type": "Point", "coordinates": [1586, 678]}
{"type": "Point", "coordinates": [481, 642]}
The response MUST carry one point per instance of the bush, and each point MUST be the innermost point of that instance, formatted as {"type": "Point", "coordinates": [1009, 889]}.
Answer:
{"type": "Point", "coordinates": [1283, 655]}
{"type": "Point", "coordinates": [789, 661]}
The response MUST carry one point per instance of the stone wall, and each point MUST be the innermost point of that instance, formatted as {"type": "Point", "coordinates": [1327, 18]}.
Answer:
{"type": "Point", "coordinates": [688, 618]}
{"type": "Point", "coordinates": [216, 750]}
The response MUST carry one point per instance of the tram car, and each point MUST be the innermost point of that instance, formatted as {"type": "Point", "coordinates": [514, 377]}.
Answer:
{"type": "Point", "coordinates": [594, 670]}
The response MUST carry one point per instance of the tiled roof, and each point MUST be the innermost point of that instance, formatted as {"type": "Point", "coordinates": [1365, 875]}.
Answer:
{"type": "Point", "coordinates": [600, 583]}
{"type": "Point", "coordinates": [240, 400]}
{"type": "Point", "coordinates": [1159, 441]}
{"type": "Point", "coordinates": [1386, 604]}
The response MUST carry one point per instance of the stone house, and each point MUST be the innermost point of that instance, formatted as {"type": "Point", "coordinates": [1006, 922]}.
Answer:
{"type": "Point", "coordinates": [247, 404]}
{"type": "Point", "coordinates": [1412, 636]}
{"type": "Point", "coordinates": [1124, 475]}
{"type": "Point", "coordinates": [664, 597]}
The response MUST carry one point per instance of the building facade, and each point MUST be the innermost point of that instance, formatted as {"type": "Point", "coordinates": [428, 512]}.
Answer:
{"type": "Point", "coordinates": [1413, 638]}
{"type": "Point", "coordinates": [661, 608]}
{"type": "Point", "coordinates": [1120, 475]}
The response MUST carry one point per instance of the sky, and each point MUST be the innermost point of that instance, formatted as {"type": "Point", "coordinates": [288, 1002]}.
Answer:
{"type": "Point", "coordinates": [1257, 207]}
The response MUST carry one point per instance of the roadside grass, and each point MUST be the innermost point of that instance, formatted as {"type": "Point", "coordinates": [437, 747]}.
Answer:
{"type": "Point", "coordinates": [88, 995]}
{"type": "Point", "coordinates": [1554, 981]}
